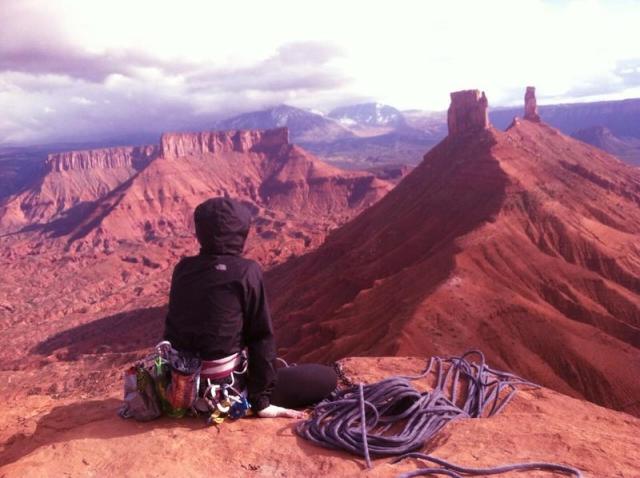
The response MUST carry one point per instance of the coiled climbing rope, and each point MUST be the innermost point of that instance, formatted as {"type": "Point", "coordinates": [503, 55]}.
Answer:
{"type": "Point", "coordinates": [391, 417]}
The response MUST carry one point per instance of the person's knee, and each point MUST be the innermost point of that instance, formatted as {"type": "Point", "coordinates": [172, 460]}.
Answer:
{"type": "Point", "coordinates": [304, 385]}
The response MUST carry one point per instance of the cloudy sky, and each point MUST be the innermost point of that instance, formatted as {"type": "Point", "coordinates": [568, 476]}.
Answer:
{"type": "Point", "coordinates": [78, 70]}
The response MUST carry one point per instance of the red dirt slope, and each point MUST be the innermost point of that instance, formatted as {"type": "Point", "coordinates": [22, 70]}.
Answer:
{"type": "Point", "coordinates": [524, 244]}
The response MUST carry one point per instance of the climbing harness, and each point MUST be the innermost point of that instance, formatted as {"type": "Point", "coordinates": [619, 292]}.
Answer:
{"type": "Point", "coordinates": [222, 368]}
{"type": "Point", "coordinates": [222, 398]}
{"type": "Point", "coordinates": [391, 417]}
{"type": "Point", "coordinates": [176, 384]}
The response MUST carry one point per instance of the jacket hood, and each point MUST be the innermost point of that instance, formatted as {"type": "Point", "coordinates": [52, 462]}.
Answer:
{"type": "Point", "coordinates": [222, 225]}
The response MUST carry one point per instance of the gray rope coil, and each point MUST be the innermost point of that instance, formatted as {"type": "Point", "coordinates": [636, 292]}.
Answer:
{"type": "Point", "coordinates": [391, 417]}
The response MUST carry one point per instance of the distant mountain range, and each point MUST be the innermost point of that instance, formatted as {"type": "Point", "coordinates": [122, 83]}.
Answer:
{"type": "Point", "coordinates": [304, 126]}
{"type": "Point", "coordinates": [627, 149]}
{"type": "Point", "coordinates": [369, 115]}
{"type": "Point", "coordinates": [371, 135]}
{"type": "Point", "coordinates": [357, 136]}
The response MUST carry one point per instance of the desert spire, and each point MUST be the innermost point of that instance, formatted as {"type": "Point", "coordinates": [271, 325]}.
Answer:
{"type": "Point", "coordinates": [467, 112]}
{"type": "Point", "coordinates": [531, 105]}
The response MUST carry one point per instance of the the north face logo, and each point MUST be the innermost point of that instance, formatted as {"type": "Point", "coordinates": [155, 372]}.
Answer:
{"type": "Point", "coordinates": [221, 267]}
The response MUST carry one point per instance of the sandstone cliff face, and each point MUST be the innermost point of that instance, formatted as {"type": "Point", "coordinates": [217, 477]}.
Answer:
{"type": "Point", "coordinates": [92, 237]}
{"type": "Point", "coordinates": [295, 197]}
{"type": "Point", "coordinates": [124, 157]}
{"type": "Point", "coordinates": [177, 145]}
{"type": "Point", "coordinates": [172, 145]}
{"type": "Point", "coordinates": [531, 105]}
{"type": "Point", "coordinates": [467, 112]}
{"type": "Point", "coordinates": [80, 177]}
{"type": "Point", "coordinates": [71, 179]}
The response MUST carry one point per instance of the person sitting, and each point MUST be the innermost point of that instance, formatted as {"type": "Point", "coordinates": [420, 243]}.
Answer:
{"type": "Point", "coordinates": [218, 308]}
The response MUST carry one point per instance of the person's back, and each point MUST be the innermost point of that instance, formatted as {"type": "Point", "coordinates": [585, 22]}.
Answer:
{"type": "Point", "coordinates": [218, 307]}
{"type": "Point", "coordinates": [210, 296]}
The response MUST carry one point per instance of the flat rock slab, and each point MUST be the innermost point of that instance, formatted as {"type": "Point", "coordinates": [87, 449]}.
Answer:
{"type": "Point", "coordinates": [45, 437]}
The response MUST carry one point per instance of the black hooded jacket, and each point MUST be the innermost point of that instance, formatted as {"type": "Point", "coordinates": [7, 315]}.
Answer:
{"type": "Point", "coordinates": [217, 303]}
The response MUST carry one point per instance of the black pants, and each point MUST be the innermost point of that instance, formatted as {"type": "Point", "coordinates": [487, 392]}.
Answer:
{"type": "Point", "coordinates": [303, 385]}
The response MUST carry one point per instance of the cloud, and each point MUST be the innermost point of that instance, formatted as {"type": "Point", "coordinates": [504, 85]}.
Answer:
{"type": "Point", "coordinates": [104, 99]}
{"type": "Point", "coordinates": [295, 66]}
{"type": "Point", "coordinates": [629, 72]}
{"type": "Point", "coordinates": [73, 70]}
{"type": "Point", "coordinates": [33, 42]}
{"type": "Point", "coordinates": [52, 88]}
{"type": "Point", "coordinates": [60, 59]}
{"type": "Point", "coordinates": [622, 77]}
{"type": "Point", "coordinates": [594, 86]}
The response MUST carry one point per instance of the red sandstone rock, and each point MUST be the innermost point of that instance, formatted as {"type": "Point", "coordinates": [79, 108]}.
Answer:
{"type": "Point", "coordinates": [467, 112]}
{"type": "Point", "coordinates": [137, 194]}
{"type": "Point", "coordinates": [72, 179]}
{"type": "Point", "coordinates": [108, 158]}
{"type": "Point", "coordinates": [522, 243]}
{"type": "Point", "coordinates": [176, 145]}
{"type": "Point", "coordinates": [531, 105]}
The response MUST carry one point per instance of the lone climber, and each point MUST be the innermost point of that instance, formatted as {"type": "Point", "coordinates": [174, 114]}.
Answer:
{"type": "Point", "coordinates": [218, 308]}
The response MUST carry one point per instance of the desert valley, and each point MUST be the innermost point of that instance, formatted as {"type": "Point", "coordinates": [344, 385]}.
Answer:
{"type": "Point", "coordinates": [336, 239]}
{"type": "Point", "coordinates": [521, 243]}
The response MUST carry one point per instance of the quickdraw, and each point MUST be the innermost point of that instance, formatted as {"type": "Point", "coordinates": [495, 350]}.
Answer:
{"type": "Point", "coordinates": [223, 400]}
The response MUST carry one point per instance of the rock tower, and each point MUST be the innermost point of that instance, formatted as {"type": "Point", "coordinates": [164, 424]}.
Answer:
{"type": "Point", "coordinates": [467, 112]}
{"type": "Point", "coordinates": [531, 105]}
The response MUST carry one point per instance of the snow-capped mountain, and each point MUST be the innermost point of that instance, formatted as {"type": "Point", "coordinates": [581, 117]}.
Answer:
{"type": "Point", "coordinates": [368, 115]}
{"type": "Point", "coordinates": [304, 126]}
{"type": "Point", "coordinates": [359, 136]}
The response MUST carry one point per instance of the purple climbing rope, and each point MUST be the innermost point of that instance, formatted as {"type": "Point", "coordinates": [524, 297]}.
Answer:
{"type": "Point", "coordinates": [392, 418]}
{"type": "Point", "coordinates": [363, 427]}
{"type": "Point", "coordinates": [457, 471]}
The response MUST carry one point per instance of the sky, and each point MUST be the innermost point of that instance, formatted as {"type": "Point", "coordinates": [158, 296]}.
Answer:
{"type": "Point", "coordinates": [80, 70]}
